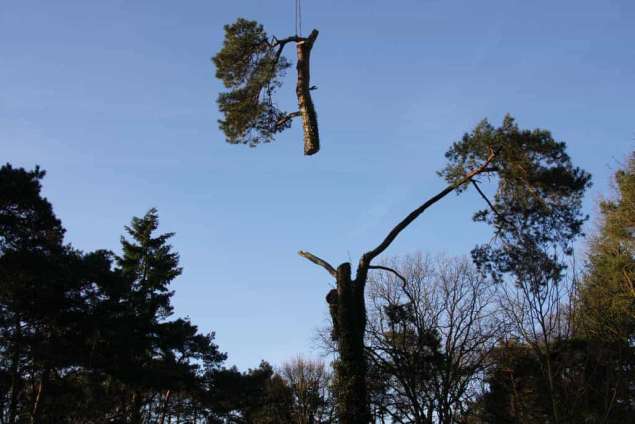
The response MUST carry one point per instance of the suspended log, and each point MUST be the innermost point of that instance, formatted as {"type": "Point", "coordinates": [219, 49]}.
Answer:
{"type": "Point", "coordinates": [303, 91]}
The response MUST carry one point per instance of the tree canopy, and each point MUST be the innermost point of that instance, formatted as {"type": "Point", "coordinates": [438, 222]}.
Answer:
{"type": "Point", "coordinates": [251, 66]}
{"type": "Point", "coordinates": [535, 213]}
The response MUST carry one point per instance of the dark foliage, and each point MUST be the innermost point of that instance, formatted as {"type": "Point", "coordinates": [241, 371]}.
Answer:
{"type": "Point", "coordinates": [593, 384]}
{"type": "Point", "coordinates": [88, 329]}
{"type": "Point", "coordinates": [250, 67]}
{"type": "Point", "coordinates": [536, 210]}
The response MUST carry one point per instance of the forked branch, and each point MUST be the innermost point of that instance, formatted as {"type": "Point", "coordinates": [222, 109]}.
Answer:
{"type": "Point", "coordinates": [394, 271]}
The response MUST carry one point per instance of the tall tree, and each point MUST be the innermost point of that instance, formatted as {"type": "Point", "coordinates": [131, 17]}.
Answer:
{"type": "Point", "coordinates": [310, 384]}
{"type": "Point", "coordinates": [88, 337]}
{"type": "Point", "coordinates": [430, 332]}
{"type": "Point", "coordinates": [607, 304]}
{"type": "Point", "coordinates": [258, 396]}
{"type": "Point", "coordinates": [31, 247]}
{"type": "Point", "coordinates": [536, 208]}
{"type": "Point", "coordinates": [251, 65]}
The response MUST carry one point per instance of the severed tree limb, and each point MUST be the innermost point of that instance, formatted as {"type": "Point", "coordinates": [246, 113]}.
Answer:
{"type": "Point", "coordinates": [318, 261]}
{"type": "Point", "coordinates": [303, 89]}
{"type": "Point", "coordinates": [303, 92]}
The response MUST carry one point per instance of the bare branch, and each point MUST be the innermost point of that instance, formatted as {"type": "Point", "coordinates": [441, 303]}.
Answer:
{"type": "Point", "coordinates": [293, 39]}
{"type": "Point", "coordinates": [397, 274]}
{"type": "Point", "coordinates": [286, 118]}
{"type": "Point", "coordinates": [318, 261]}
{"type": "Point", "coordinates": [392, 235]}
{"type": "Point", "coordinates": [489, 203]}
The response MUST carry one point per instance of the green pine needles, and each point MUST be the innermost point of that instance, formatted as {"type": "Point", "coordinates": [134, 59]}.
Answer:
{"type": "Point", "coordinates": [535, 211]}
{"type": "Point", "coordinates": [251, 66]}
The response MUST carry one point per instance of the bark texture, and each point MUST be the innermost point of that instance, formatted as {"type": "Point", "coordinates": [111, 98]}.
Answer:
{"type": "Point", "coordinates": [348, 312]}
{"type": "Point", "coordinates": [303, 92]}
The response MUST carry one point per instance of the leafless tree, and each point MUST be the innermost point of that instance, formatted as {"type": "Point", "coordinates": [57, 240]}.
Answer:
{"type": "Point", "coordinates": [431, 328]}
{"type": "Point", "coordinates": [539, 316]}
{"type": "Point", "coordinates": [310, 383]}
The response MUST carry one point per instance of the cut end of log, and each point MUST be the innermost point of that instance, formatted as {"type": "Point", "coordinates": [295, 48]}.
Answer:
{"type": "Point", "coordinates": [311, 149]}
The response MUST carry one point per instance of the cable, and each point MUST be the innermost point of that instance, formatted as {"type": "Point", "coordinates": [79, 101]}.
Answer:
{"type": "Point", "coordinates": [298, 18]}
{"type": "Point", "coordinates": [295, 17]}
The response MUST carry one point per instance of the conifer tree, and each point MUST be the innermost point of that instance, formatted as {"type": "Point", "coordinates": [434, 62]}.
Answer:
{"type": "Point", "coordinates": [251, 66]}
{"type": "Point", "coordinates": [608, 288]}
{"type": "Point", "coordinates": [148, 265]}
{"type": "Point", "coordinates": [31, 251]}
{"type": "Point", "coordinates": [536, 209]}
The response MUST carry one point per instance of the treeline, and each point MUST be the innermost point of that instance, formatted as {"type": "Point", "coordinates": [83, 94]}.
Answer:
{"type": "Point", "coordinates": [446, 345]}
{"type": "Point", "coordinates": [91, 337]}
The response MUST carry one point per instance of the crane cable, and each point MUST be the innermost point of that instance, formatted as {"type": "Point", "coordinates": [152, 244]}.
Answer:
{"type": "Point", "coordinates": [298, 18]}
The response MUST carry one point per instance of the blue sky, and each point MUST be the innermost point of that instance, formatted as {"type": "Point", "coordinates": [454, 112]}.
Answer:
{"type": "Point", "coordinates": [116, 100]}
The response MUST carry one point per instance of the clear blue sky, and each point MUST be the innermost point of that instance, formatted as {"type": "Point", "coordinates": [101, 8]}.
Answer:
{"type": "Point", "coordinates": [116, 100]}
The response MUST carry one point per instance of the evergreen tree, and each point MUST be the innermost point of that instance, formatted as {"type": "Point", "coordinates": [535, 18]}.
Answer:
{"type": "Point", "coordinates": [251, 66]}
{"type": "Point", "coordinates": [87, 337]}
{"type": "Point", "coordinates": [32, 290]}
{"type": "Point", "coordinates": [257, 396]}
{"type": "Point", "coordinates": [149, 265]}
{"type": "Point", "coordinates": [607, 307]}
{"type": "Point", "coordinates": [536, 211]}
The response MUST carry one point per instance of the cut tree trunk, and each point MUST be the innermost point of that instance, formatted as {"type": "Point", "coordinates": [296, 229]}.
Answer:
{"type": "Point", "coordinates": [348, 312]}
{"type": "Point", "coordinates": [303, 92]}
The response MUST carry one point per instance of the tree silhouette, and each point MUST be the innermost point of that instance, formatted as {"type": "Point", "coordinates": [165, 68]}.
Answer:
{"type": "Point", "coordinates": [87, 337]}
{"type": "Point", "coordinates": [536, 210]}
{"type": "Point", "coordinates": [251, 66]}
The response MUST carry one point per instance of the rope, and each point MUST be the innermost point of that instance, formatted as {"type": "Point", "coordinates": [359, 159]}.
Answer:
{"type": "Point", "coordinates": [298, 18]}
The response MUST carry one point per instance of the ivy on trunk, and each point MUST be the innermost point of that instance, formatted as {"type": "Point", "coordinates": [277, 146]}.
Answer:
{"type": "Point", "coordinates": [535, 216]}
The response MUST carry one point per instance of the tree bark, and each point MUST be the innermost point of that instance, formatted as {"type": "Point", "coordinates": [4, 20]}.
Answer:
{"type": "Point", "coordinates": [349, 315]}
{"type": "Point", "coordinates": [37, 404]}
{"type": "Point", "coordinates": [303, 92]}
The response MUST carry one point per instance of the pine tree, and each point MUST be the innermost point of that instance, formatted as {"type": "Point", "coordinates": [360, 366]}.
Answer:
{"type": "Point", "coordinates": [251, 66]}
{"type": "Point", "coordinates": [31, 248]}
{"type": "Point", "coordinates": [148, 266]}
{"type": "Point", "coordinates": [536, 211]}
{"type": "Point", "coordinates": [608, 287]}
